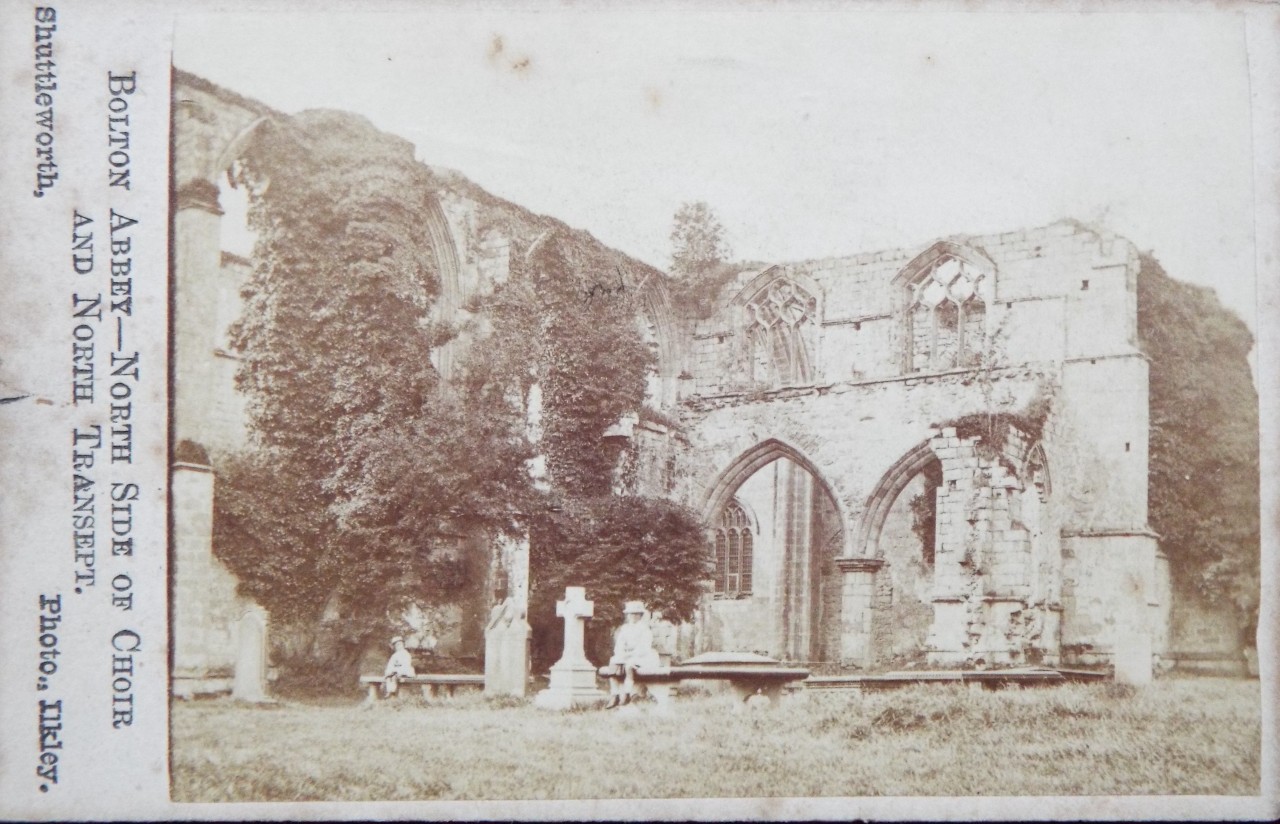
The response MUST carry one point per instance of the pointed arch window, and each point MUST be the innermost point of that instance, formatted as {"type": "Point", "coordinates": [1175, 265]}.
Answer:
{"type": "Point", "coordinates": [1036, 472]}
{"type": "Point", "coordinates": [735, 542]}
{"type": "Point", "coordinates": [779, 330]}
{"type": "Point", "coordinates": [945, 317]}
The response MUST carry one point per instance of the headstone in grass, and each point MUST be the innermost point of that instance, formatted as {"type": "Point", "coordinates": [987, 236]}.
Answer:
{"type": "Point", "coordinates": [506, 651]}
{"type": "Point", "coordinates": [250, 679]}
{"type": "Point", "coordinates": [573, 677]}
{"type": "Point", "coordinates": [1133, 658]}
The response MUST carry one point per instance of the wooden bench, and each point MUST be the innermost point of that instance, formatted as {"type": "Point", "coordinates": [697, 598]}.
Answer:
{"type": "Point", "coordinates": [748, 675]}
{"type": "Point", "coordinates": [433, 686]}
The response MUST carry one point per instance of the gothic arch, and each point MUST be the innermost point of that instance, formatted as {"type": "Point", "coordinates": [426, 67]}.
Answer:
{"type": "Point", "coordinates": [449, 269]}
{"type": "Point", "coordinates": [655, 303]}
{"type": "Point", "coordinates": [1034, 472]}
{"type": "Point", "coordinates": [446, 254]}
{"type": "Point", "coordinates": [971, 255]}
{"type": "Point", "coordinates": [763, 280]}
{"type": "Point", "coordinates": [777, 316]}
{"type": "Point", "coordinates": [232, 151]}
{"type": "Point", "coordinates": [748, 463]}
{"type": "Point", "coordinates": [199, 184]}
{"type": "Point", "coordinates": [940, 300]}
{"type": "Point", "coordinates": [885, 493]}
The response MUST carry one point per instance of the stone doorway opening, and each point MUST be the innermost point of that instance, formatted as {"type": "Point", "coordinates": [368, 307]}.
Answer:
{"type": "Point", "coordinates": [774, 532]}
{"type": "Point", "coordinates": [902, 607]}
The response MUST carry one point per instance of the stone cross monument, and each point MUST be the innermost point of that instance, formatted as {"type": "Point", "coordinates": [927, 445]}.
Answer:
{"type": "Point", "coordinates": [573, 677]}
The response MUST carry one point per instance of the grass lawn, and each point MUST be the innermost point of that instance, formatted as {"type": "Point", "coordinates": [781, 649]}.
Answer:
{"type": "Point", "coordinates": [1178, 736]}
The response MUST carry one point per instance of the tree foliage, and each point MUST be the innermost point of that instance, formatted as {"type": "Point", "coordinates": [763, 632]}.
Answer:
{"type": "Point", "coordinates": [1203, 490]}
{"type": "Point", "coordinates": [700, 261]}
{"type": "Point", "coordinates": [697, 240]}
{"type": "Point", "coordinates": [591, 366]}
{"type": "Point", "coordinates": [366, 466]}
{"type": "Point", "coordinates": [570, 326]}
{"type": "Point", "coordinates": [623, 548]}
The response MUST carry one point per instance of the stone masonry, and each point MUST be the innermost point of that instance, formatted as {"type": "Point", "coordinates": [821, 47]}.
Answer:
{"type": "Point", "coordinates": [1052, 321]}
{"type": "Point", "coordinates": [1007, 363]}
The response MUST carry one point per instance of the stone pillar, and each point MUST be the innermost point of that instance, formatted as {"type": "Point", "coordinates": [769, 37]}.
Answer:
{"type": "Point", "coordinates": [208, 645]}
{"type": "Point", "coordinates": [857, 591]}
{"type": "Point", "coordinates": [573, 677]}
{"type": "Point", "coordinates": [794, 525]}
{"type": "Point", "coordinates": [191, 488]}
{"type": "Point", "coordinates": [506, 650]}
{"type": "Point", "coordinates": [1133, 646]}
{"type": "Point", "coordinates": [954, 557]}
{"type": "Point", "coordinates": [982, 558]}
{"type": "Point", "coordinates": [1007, 622]}
{"type": "Point", "coordinates": [1010, 556]}
{"type": "Point", "coordinates": [197, 266]}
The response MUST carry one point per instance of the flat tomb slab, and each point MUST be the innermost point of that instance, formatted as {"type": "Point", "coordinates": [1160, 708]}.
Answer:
{"type": "Point", "coordinates": [730, 659]}
{"type": "Point", "coordinates": [725, 672]}
{"type": "Point", "coordinates": [987, 678]}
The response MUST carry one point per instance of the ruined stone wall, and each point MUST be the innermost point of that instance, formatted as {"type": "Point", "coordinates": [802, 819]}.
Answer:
{"type": "Point", "coordinates": [211, 127]}
{"type": "Point", "coordinates": [1051, 294]}
{"type": "Point", "coordinates": [207, 412]}
{"type": "Point", "coordinates": [1050, 319]}
{"type": "Point", "coordinates": [1047, 313]}
{"type": "Point", "coordinates": [475, 236]}
{"type": "Point", "coordinates": [904, 585]}
{"type": "Point", "coordinates": [206, 607]}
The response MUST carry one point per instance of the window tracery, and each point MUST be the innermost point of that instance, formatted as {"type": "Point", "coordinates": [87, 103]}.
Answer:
{"type": "Point", "coordinates": [735, 539]}
{"type": "Point", "coordinates": [946, 317]}
{"type": "Point", "coordinates": [779, 326]}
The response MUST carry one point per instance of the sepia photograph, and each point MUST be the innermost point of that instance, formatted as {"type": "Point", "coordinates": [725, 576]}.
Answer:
{"type": "Point", "coordinates": [731, 402]}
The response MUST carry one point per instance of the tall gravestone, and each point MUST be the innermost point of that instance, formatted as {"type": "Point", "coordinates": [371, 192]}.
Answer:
{"type": "Point", "coordinates": [250, 680]}
{"type": "Point", "coordinates": [506, 650]}
{"type": "Point", "coordinates": [573, 677]}
{"type": "Point", "coordinates": [1132, 658]}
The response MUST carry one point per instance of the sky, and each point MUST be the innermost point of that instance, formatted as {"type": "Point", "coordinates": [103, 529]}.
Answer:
{"type": "Point", "coordinates": [811, 133]}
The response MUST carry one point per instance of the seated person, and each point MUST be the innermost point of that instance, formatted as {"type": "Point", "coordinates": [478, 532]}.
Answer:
{"type": "Point", "coordinates": [632, 649]}
{"type": "Point", "coordinates": [399, 665]}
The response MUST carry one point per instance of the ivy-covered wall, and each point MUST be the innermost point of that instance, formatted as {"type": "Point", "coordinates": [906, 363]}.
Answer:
{"type": "Point", "coordinates": [394, 330]}
{"type": "Point", "coordinates": [661, 389]}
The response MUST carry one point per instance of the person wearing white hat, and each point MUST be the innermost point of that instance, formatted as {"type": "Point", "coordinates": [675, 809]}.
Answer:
{"type": "Point", "coordinates": [399, 665]}
{"type": "Point", "coordinates": [632, 649]}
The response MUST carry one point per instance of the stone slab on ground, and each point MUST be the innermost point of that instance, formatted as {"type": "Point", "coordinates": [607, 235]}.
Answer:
{"type": "Point", "coordinates": [991, 679]}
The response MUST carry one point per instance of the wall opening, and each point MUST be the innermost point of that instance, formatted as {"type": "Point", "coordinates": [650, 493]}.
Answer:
{"type": "Point", "coordinates": [774, 534]}
{"type": "Point", "coordinates": [902, 609]}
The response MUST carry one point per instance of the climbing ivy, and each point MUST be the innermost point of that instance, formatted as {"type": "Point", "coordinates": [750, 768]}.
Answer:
{"type": "Point", "coordinates": [992, 429]}
{"type": "Point", "coordinates": [621, 548]}
{"type": "Point", "coordinates": [1203, 494]}
{"type": "Point", "coordinates": [364, 468]}
{"type": "Point", "coordinates": [570, 327]}
{"type": "Point", "coordinates": [367, 467]}
{"type": "Point", "coordinates": [924, 511]}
